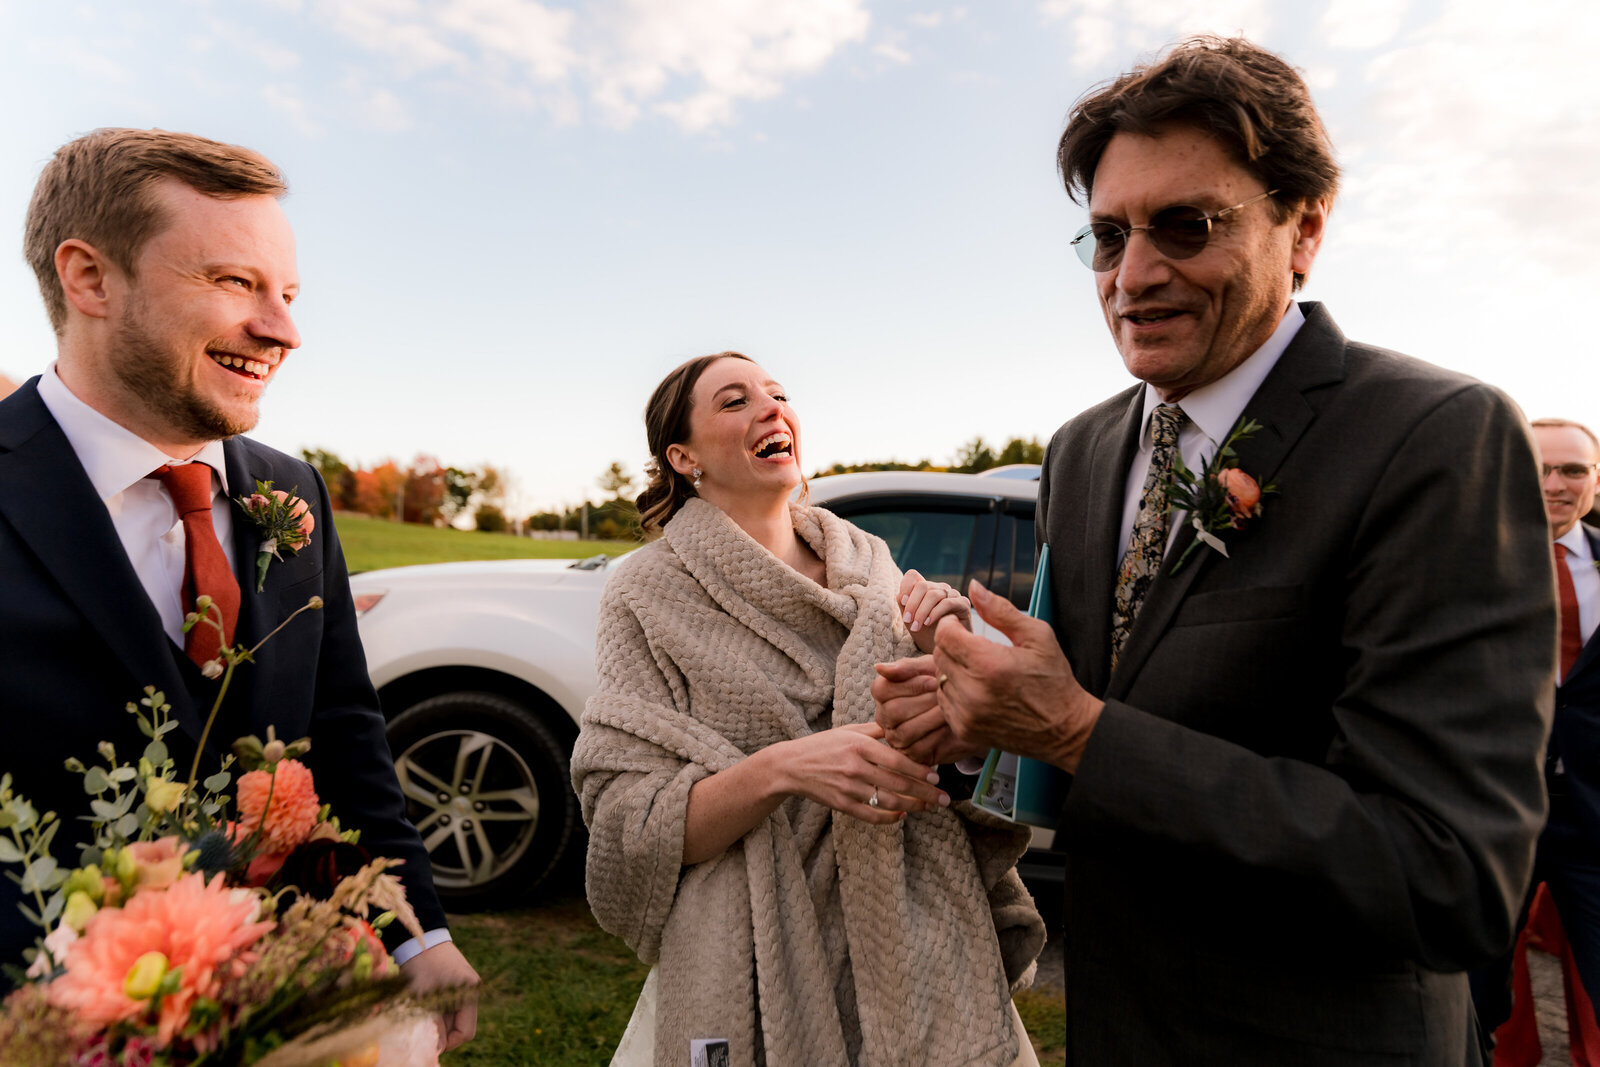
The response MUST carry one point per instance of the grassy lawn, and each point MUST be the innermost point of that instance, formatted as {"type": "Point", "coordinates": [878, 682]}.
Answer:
{"type": "Point", "coordinates": [559, 990]}
{"type": "Point", "coordinates": [370, 544]}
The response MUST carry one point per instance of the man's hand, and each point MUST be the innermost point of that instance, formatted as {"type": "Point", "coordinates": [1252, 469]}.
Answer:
{"type": "Point", "coordinates": [906, 692]}
{"type": "Point", "coordinates": [1021, 698]}
{"type": "Point", "coordinates": [441, 966]}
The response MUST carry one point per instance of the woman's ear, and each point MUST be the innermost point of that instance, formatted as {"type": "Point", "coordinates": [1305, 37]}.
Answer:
{"type": "Point", "coordinates": [680, 459]}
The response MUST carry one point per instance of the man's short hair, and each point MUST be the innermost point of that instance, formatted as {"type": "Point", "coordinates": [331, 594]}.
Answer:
{"type": "Point", "coordinates": [1249, 99]}
{"type": "Point", "coordinates": [98, 189]}
{"type": "Point", "coordinates": [1570, 424]}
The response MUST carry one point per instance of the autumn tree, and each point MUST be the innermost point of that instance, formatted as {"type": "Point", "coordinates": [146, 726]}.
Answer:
{"type": "Point", "coordinates": [340, 478]}
{"type": "Point", "coordinates": [378, 490]}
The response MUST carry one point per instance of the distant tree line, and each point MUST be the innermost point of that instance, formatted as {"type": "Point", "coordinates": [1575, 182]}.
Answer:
{"type": "Point", "coordinates": [974, 456]}
{"type": "Point", "coordinates": [430, 493]}
{"type": "Point", "coordinates": [425, 492]}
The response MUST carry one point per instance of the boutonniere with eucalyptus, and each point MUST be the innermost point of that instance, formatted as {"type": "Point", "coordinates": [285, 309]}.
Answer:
{"type": "Point", "coordinates": [1221, 497]}
{"type": "Point", "coordinates": [284, 520]}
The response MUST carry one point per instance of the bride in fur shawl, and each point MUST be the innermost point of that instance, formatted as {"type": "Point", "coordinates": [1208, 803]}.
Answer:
{"type": "Point", "coordinates": [806, 894]}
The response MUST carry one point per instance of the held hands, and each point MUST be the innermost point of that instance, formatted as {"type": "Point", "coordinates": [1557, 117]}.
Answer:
{"type": "Point", "coordinates": [924, 603]}
{"type": "Point", "coordinates": [441, 966]}
{"type": "Point", "coordinates": [847, 766]}
{"type": "Point", "coordinates": [973, 694]}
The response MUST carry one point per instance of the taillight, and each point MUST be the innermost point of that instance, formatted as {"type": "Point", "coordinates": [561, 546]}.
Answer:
{"type": "Point", "coordinates": [365, 602]}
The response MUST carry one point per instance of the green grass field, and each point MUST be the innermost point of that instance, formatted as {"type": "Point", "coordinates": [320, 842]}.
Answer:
{"type": "Point", "coordinates": [371, 544]}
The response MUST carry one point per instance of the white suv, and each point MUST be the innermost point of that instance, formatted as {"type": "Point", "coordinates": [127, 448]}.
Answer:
{"type": "Point", "coordinates": [483, 668]}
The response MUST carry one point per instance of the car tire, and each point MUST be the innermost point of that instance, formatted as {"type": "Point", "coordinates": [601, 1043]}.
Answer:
{"type": "Point", "coordinates": [487, 785]}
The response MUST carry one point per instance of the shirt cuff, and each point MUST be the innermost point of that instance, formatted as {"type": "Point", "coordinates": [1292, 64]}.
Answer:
{"type": "Point", "coordinates": [410, 950]}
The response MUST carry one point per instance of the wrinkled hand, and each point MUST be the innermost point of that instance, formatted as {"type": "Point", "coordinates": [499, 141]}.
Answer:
{"type": "Point", "coordinates": [843, 766]}
{"type": "Point", "coordinates": [924, 603]}
{"type": "Point", "coordinates": [1022, 697]}
{"type": "Point", "coordinates": [906, 692]}
{"type": "Point", "coordinates": [442, 966]}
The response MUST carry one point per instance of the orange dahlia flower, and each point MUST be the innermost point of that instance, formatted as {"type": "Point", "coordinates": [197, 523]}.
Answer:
{"type": "Point", "coordinates": [195, 925]}
{"type": "Point", "coordinates": [294, 805]}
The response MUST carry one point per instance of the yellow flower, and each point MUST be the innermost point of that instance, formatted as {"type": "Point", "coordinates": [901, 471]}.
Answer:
{"type": "Point", "coordinates": [144, 977]}
{"type": "Point", "coordinates": [162, 795]}
{"type": "Point", "coordinates": [79, 910]}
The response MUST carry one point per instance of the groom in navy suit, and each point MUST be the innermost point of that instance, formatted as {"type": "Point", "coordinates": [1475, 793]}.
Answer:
{"type": "Point", "coordinates": [167, 267]}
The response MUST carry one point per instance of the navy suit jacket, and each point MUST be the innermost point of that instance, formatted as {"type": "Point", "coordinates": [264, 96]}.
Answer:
{"type": "Point", "coordinates": [1577, 737]}
{"type": "Point", "coordinates": [79, 639]}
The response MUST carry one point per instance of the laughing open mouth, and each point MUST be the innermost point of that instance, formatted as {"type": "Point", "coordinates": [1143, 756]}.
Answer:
{"type": "Point", "coordinates": [244, 368]}
{"type": "Point", "coordinates": [1152, 317]}
{"type": "Point", "coordinates": [774, 444]}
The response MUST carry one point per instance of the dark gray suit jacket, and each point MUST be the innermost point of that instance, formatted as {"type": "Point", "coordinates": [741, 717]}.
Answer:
{"type": "Point", "coordinates": [79, 639]}
{"type": "Point", "coordinates": [1312, 799]}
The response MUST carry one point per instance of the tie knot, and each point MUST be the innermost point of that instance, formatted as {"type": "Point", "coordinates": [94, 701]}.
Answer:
{"type": "Point", "coordinates": [1560, 550]}
{"type": "Point", "coordinates": [189, 486]}
{"type": "Point", "coordinates": [1165, 423]}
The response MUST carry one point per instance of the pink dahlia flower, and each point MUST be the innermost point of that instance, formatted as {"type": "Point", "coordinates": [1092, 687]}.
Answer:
{"type": "Point", "coordinates": [195, 925]}
{"type": "Point", "coordinates": [294, 805]}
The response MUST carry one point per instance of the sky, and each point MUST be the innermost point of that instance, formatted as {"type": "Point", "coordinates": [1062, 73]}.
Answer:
{"type": "Point", "coordinates": [513, 217]}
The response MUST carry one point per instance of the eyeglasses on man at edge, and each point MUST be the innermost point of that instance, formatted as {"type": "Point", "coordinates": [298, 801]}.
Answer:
{"type": "Point", "coordinates": [1572, 472]}
{"type": "Point", "coordinates": [1177, 233]}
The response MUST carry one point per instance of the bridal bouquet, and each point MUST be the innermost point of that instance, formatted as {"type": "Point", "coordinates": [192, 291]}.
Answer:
{"type": "Point", "coordinates": [202, 927]}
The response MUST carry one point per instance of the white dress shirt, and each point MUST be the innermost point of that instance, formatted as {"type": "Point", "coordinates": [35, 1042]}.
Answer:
{"type": "Point", "coordinates": [1585, 579]}
{"type": "Point", "coordinates": [147, 523]}
{"type": "Point", "coordinates": [1213, 411]}
{"type": "Point", "coordinates": [118, 462]}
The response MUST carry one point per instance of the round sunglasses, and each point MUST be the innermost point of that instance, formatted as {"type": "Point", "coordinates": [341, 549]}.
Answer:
{"type": "Point", "coordinates": [1177, 233]}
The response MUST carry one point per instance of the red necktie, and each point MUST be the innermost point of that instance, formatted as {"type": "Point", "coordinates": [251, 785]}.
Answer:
{"type": "Point", "coordinates": [1571, 635]}
{"type": "Point", "coordinates": [206, 570]}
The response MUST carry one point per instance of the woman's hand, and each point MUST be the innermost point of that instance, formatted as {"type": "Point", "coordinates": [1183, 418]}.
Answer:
{"type": "Point", "coordinates": [924, 603]}
{"type": "Point", "coordinates": [847, 766]}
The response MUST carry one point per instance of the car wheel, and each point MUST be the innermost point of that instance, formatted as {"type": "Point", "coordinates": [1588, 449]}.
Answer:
{"type": "Point", "coordinates": [487, 785]}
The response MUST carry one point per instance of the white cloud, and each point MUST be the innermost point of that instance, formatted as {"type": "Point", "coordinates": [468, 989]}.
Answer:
{"type": "Point", "coordinates": [529, 34]}
{"type": "Point", "coordinates": [1361, 23]}
{"type": "Point", "coordinates": [1099, 31]}
{"type": "Point", "coordinates": [692, 61]}
{"type": "Point", "coordinates": [892, 52]}
{"type": "Point", "coordinates": [285, 99]}
{"type": "Point", "coordinates": [1487, 150]}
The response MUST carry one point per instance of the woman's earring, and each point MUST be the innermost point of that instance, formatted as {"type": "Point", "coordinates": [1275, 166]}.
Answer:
{"type": "Point", "coordinates": [697, 473]}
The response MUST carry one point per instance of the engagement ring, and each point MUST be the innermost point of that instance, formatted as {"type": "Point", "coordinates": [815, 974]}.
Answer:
{"type": "Point", "coordinates": [872, 801]}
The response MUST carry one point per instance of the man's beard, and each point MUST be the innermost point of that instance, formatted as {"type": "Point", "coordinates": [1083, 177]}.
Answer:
{"type": "Point", "coordinates": [156, 376]}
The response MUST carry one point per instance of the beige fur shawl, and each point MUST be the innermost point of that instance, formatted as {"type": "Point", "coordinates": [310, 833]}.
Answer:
{"type": "Point", "coordinates": [710, 648]}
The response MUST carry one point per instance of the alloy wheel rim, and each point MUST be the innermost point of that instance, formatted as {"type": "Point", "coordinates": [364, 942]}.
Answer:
{"type": "Point", "coordinates": [475, 802]}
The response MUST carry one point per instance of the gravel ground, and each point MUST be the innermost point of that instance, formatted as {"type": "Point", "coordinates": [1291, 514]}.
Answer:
{"type": "Point", "coordinates": [1549, 997]}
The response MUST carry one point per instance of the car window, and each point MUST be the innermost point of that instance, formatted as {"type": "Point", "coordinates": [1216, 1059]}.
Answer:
{"type": "Point", "coordinates": [937, 544]}
{"type": "Point", "coordinates": [1024, 561]}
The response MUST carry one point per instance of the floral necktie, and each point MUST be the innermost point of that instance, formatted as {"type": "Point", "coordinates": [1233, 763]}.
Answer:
{"type": "Point", "coordinates": [1147, 543]}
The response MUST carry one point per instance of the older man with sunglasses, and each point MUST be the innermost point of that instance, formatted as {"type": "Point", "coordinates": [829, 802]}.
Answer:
{"type": "Point", "coordinates": [1303, 646]}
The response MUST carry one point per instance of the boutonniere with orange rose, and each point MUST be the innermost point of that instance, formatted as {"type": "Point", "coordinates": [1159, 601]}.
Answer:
{"type": "Point", "coordinates": [200, 929]}
{"type": "Point", "coordinates": [1221, 497]}
{"type": "Point", "coordinates": [284, 521]}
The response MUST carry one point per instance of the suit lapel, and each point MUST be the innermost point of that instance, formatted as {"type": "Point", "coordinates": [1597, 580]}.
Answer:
{"type": "Point", "coordinates": [1315, 358]}
{"type": "Point", "coordinates": [257, 611]}
{"type": "Point", "coordinates": [1108, 476]}
{"type": "Point", "coordinates": [48, 499]}
{"type": "Point", "coordinates": [1591, 647]}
